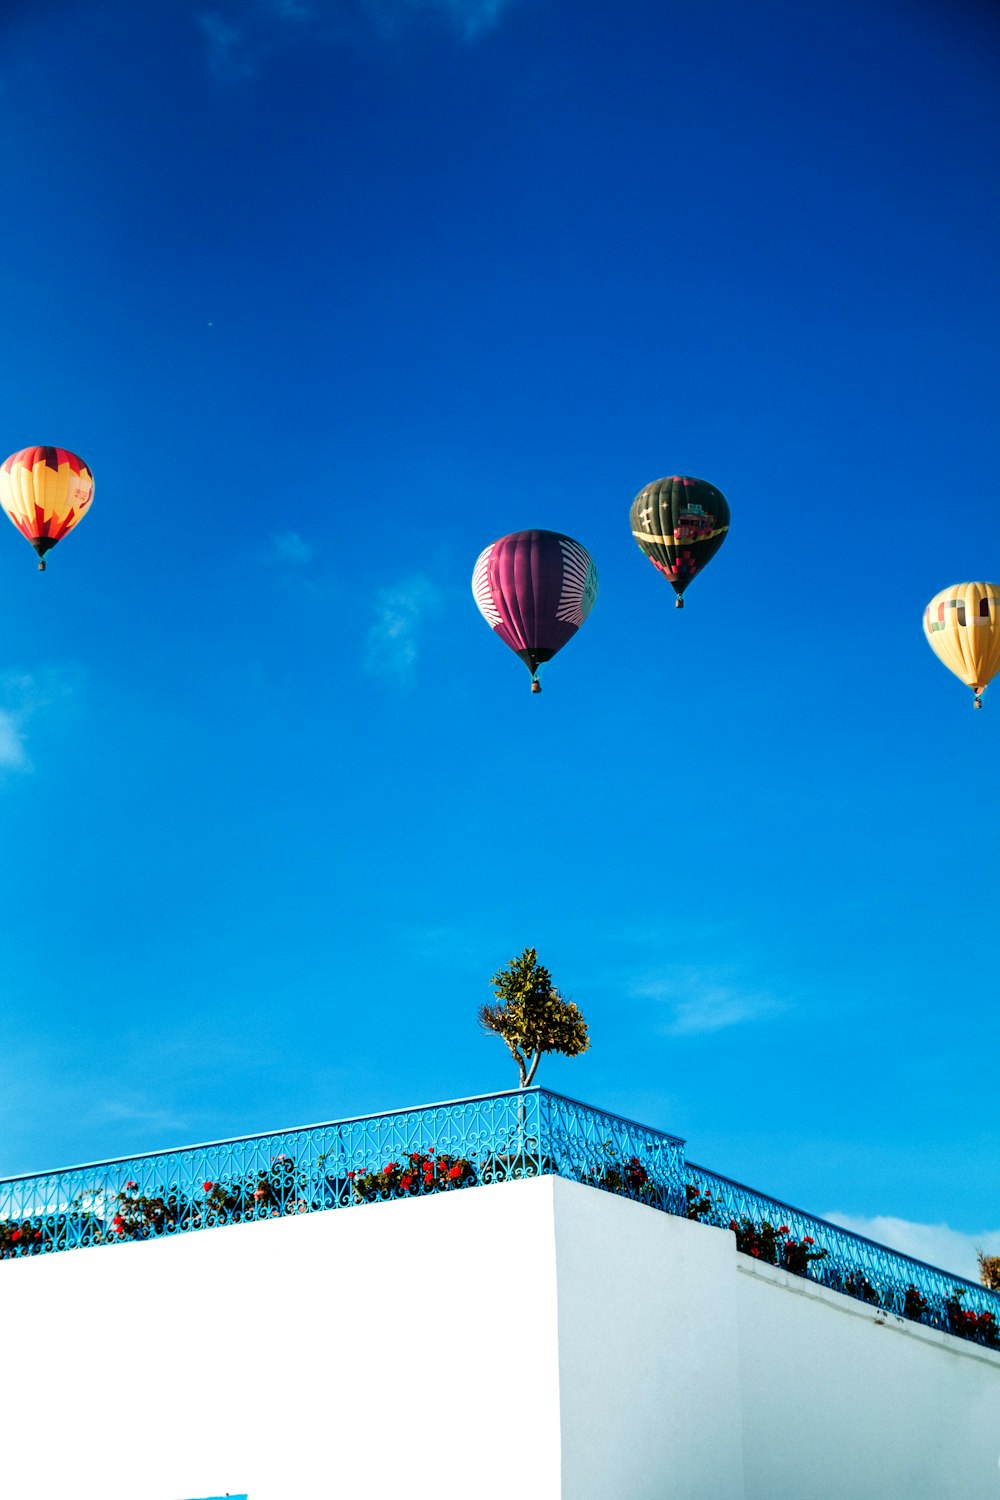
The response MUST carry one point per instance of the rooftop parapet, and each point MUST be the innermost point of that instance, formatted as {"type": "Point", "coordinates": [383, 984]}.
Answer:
{"type": "Point", "coordinates": [454, 1146]}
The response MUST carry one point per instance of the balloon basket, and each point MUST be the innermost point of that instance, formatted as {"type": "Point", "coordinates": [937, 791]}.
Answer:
{"type": "Point", "coordinates": [536, 686]}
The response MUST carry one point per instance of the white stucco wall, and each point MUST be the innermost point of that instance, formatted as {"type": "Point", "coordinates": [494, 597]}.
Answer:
{"type": "Point", "coordinates": [384, 1352]}
{"type": "Point", "coordinates": [535, 1339]}
{"type": "Point", "coordinates": [648, 1358]}
{"type": "Point", "coordinates": [841, 1402]}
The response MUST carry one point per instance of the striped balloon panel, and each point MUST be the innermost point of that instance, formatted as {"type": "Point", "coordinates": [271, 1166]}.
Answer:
{"type": "Point", "coordinates": [45, 491]}
{"type": "Point", "coordinates": [962, 626]}
{"type": "Point", "coordinates": [535, 589]}
{"type": "Point", "coordinates": [679, 523]}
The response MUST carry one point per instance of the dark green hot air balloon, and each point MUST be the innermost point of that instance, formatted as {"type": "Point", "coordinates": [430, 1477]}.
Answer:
{"type": "Point", "coordinates": [680, 523]}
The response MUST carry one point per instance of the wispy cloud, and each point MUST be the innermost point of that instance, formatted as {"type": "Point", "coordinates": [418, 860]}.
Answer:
{"type": "Point", "coordinates": [700, 1001]}
{"type": "Point", "coordinates": [394, 637]}
{"type": "Point", "coordinates": [471, 18]}
{"type": "Point", "coordinates": [22, 696]}
{"type": "Point", "coordinates": [291, 548]}
{"type": "Point", "coordinates": [240, 36]}
{"type": "Point", "coordinates": [937, 1244]}
{"type": "Point", "coordinates": [13, 755]}
{"type": "Point", "coordinates": [290, 10]}
{"type": "Point", "coordinates": [229, 48]}
{"type": "Point", "coordinates": [134, 1109]}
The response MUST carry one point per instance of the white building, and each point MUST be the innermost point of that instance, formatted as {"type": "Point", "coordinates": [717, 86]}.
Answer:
{"type": "Point", "coordinates": [535, 1337]}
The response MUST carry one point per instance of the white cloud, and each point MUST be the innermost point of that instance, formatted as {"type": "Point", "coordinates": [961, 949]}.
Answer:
{"type": "Point", "coordinates": [470, 17]}
{"type": "Point", "coordinates": [937, 1244]}
{"type": "Point", "coordinates": [703, 1001]}
{"type": "Point", "coordinates": [394, 638]}
{"type": "Point", "coordinates": [22, 695]}
{"type": "Point", "coordinates": [13, 756]}
{"type": "Point", "coordinates": [136, 1110]}
{"type": "Point", "coordinates": [239, 36]}
{"type": "Point", "coordinates": [290, 547]}
{"type": "Point", "coordinates": [228, 55]}
{"type": "Point", "coordinates": [290, 10]}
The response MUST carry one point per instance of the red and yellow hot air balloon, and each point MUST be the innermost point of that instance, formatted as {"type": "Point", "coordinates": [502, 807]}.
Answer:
{"type": "Point", "coordinates": [962, 626]}
{"type": "Point", "coordinates": [45, 491]}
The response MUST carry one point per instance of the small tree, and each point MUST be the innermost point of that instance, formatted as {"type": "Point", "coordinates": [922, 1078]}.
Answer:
{"type": "Point", "coordinates": [989, 1270]}
{"type": "Point", "coordinates": [532, 1017]}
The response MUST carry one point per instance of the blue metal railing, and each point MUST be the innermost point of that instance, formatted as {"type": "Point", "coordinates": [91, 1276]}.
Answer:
{"type": "Point", "coordinates": [406, 1152]}
{"type": "Point", "coordinates": [451, 1146]}
{"type": "Point", "coordinates": [887, 1280]}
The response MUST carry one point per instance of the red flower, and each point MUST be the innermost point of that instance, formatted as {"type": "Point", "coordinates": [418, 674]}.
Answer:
{"type": "Point", "coordinates": [782, 1229]}
{"type": "Point", "coordinates": [132, 1185]}
{"type": "Point", "coordinates": [755, 1253]}
{"type": "Point", "coordinates": [732, 1224]}
{"type": "Point", "coordinates": [16, 1235]}
{"type": "Point", "coordinates": [390, 1166]}
{"type": "Point", "coordinates": [456, 1171]}
{"type": "Point", "coordinates": [406, 1182]}
{"type": "Point", "coordinates": [118, 1229]}
{"type": "Point", "coordinates": [415, 1157]}
{"type": "Point", "coordinates": [807, 1241]}
{"type": "Point", "coordinates": [207, 1187]}
{"type": "Point", "coordinates": [117, 1221]}
{"type": "Point", "coordinates": [351, 1176]}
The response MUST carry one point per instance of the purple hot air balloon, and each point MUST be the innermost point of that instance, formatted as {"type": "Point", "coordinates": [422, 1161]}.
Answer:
{"type": "Point", "coordinates": [535, 588]}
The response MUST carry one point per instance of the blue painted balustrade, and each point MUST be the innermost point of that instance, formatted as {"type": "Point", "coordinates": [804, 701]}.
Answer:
{"type": "Point", "coordinates": [449, 1147]}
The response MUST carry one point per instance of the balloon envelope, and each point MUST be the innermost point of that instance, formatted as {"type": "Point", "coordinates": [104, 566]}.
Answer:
{"type": "Point", "coordinates": [679, 523]}
{"type": "Point", "coordinates": [962, 626]}
{"type": "Point", "coordinates": [535, 588]}
{"type": "Point", "coordinates": [45, 491]}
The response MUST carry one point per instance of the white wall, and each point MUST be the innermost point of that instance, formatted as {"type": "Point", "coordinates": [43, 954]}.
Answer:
{"type": "Point", "coordinates": [648, 1359]}
{"type": "Point", "coordinates": [392, 1350]}
{"type": "Point", "coordinates": [538, 1339]}
{"type": "Point", "coordinates": [841, 1402]}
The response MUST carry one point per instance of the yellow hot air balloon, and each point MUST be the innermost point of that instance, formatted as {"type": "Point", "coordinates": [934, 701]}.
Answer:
{"type": "Point", "coordinates": [962, 626]}
{"type": "Point", "coordinates": [45, 491]}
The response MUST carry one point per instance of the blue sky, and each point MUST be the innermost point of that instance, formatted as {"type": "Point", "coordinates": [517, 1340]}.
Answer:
{"type": "Point", "coordinates": [330, 295]}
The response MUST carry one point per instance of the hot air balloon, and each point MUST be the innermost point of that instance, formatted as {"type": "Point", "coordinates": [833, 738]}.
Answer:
{"type": "Point", "coordinates": [45, 491]}
{"type": "Point", "coordinates": [535, 588]}
{"type": "Point", "coordinates": [680, 524]}
{"type": "Point", "coordinates": [962, 626]}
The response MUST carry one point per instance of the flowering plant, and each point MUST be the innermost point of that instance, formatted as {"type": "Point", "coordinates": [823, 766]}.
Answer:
{"type": "Point", "coordinates": [625, 1175]}
{"type": "Point", "coordinates": [969, 1325]}
{"type": "Point", "coordinates": [19, 1238]}
{"type": "Point", "coordinates": [775, 1245]}
{"type": "Point", "coordinates": [914, 1305]}
{"type": "Point", "coordinates": [855, 1284]}
{"type": "Point", "coordinates": [266, 1193]}
{"type": "Point", "coordinates": [422, 1172]}
{"type": "Point", "coordinates": [139, 1215]}
{"type": "Point", "coordinates": [699, 1205]}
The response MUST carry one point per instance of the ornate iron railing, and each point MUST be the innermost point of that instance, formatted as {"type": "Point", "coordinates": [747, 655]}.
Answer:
{"type": "Point", "coordinates": [464, 1143]}
{"type": "Point", "coordinates": [408, 1152]}
{"type": "Point", "coordinates": [887, 1280]}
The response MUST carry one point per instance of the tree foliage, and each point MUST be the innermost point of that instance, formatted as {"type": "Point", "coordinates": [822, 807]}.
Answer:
{"type": "Point", "coordinates": [531, 1016]}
